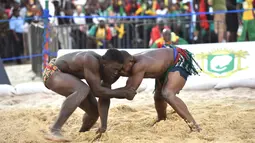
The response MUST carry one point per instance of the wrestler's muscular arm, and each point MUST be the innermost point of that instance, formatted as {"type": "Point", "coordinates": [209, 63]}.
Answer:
{"type": "Point", "coordinates": [136, 78]}
{"type": "Point", "coordinates": [133, 83]}
{"type": "Point", "coordinates": [103, 107]}
{"type": "Point", "coordinates": [92, 76]}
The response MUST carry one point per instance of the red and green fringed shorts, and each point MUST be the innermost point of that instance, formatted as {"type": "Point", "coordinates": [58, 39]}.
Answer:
{"type": "Point", "coordinates": [49, 70]}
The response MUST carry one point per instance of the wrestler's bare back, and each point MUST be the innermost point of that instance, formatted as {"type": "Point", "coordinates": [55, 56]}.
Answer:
{"type": "Point", "coordinates": [155, 62]}
{"type": "Point", "coordinates": [73, 63]}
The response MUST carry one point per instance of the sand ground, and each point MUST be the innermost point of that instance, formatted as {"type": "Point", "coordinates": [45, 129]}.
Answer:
{"type": "Point", "coordinates": [225, 116]}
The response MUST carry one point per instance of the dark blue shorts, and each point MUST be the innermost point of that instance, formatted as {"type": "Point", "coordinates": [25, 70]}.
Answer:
{"type": "Point", "coordinates": [182, 72]}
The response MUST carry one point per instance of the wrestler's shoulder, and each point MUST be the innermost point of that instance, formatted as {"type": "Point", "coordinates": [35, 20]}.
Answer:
{"type": "Point", "coordinates": [82, 59]}
{"type": "Point", "coordinates": [163, 51]}
{"type": "Point", "coordinates": [86, 56]}
{"type": "Point", "coordinates": [140, 64]}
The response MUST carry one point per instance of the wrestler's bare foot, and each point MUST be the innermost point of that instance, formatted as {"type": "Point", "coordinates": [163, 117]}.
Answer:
{"type": "Point", "coordinates": [99, 134]}
{"type": "Point", "coordinates": [158, 120]}
{"type": "Point", "coordinates": [56, 136]}
{"type": "Point", "coordinates": [87, 123]}
{"type": "Point", "coordinates": [100, 130]}
{"type": "Point", "coordinates": [82, 129]}
{"type": "Point", "coordinates": [194, 127]}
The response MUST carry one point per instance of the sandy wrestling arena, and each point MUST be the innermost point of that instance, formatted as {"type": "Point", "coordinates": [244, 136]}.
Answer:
{"type": "Point", "coordinates": [225, 116]}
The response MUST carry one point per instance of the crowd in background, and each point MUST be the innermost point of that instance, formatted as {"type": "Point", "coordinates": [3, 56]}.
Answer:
{"type": "Point", "coordinates": [126, 33]}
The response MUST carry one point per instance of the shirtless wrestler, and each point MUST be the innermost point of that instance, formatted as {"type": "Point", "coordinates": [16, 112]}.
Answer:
{"type": "Point", "coordinates": [63, 76]}
{"type": "Point", "coordinates": [171, 68]}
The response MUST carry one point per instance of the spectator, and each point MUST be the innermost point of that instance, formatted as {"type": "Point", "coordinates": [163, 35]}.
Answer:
{"type": "Point", "coordinates": [203, 19]}
{"type": "Point", "coordinates": [79, 2]}
{"type": "Point", "coordinates": [168, 38]}
{"type": "Point", "coordinates": [101, 32]}
{"type": "Point", "coordinates": [117, 29]}
{"type": "Point", "coordinates": [93, 12]}
{"type": "Point", "coordinates": [78, 32]}
{"type": "Point", "coordinates": [219, 18]}
{"type": "Point", "coordinates": [65, 8]}
{"type": "Point", "coordinates": [91, 9]}
{"type": "Point", "coordinates": [147, 8]}
{"type": "Point", "coordinates": [23, 10]}
{"type": "Point", "coordinates": [78, 12]}
{"type": "Point", "coordinates": [155, 5]}
{"type": "Point", "coordinates": [162, 10]}
{"type": "Point", "coordinates": [8, 10]}
{"type": "Point", "coordinates": [4, 28]}
{"type": "Point", "coordinates": [248, 33]}
{"type": "Point", "coordinates": [176, 21]}
{"type": "Point", "coordinates": [186, 20]}
{"type": "Point", "coordinates": [31, 10]}
{"type": "Point", "coordinates": [68, 11]}
{"type": "Point", "coordinates": [156, 31]}
{"type": "Point", "coordinates": [58, 10]}
{"type": "Point", "coordinates": [132, 7]}
{"type": "Point", "coordinates": [94, 4]}
{"type": "Point", "coordinates": [116, 8]}
{"type": "Point", "coordinates": [89, 12]}
{"type": "Point", "coordinates": [16, 25]}
{"type": "Point", "coordinates": [144, 29]}
{"type": "Point", "coordinates": [120, 30]}
{"type": "Point", "coordinates": [204, 27]}
{"type": "Point", "coordinates": [232, 21]}
{"type": "Point", "coordinates": [103, 10]}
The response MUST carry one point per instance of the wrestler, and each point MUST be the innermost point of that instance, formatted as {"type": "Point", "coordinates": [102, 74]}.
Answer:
{"type": "Point", "coordinates": [63, 76]}
{"type": "Point", "coordinates": [170, 67]}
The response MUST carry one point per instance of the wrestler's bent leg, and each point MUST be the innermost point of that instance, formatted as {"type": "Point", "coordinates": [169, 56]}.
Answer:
{"type": "Point", "coordinates": [174, 84]}
{"type": "Point", "coordinates": [160, 104]}
{"type": "Point", "coordinates": [75, 90]}
{"type": "Point", "coordinates": [89, 105]}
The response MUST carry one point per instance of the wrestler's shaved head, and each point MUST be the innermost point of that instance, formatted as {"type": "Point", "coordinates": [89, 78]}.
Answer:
{"type": "Point", "coordinates": [126, 55]}
{"type": "Point", "coordinates": [112, 62]}
{"type": "Point", "coordinates": [113, 55]}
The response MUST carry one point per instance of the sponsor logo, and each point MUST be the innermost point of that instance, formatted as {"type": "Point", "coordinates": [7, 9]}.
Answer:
{"type": "Point", "coordinates": [222, 63]}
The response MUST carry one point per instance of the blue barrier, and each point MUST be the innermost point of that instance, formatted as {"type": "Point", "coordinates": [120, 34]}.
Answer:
{"type": "Point", "coordinates": [28, 57]}
{"type": "Point", "coordinates": [156, 16]}
{"type": "Point", "coordinates": [142, 17]}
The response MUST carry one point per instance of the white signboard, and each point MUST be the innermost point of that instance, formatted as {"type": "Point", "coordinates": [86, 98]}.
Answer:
{"type": "Point", "coordinates": [224, 65]}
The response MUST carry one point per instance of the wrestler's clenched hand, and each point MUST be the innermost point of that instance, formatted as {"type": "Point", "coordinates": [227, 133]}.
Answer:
{"type": "Point", "coordinates": [130, 93]}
